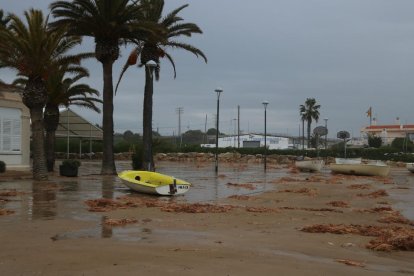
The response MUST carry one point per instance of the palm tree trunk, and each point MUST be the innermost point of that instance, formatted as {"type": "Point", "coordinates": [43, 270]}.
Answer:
{"type": "Point", "coordinates": [38, 150]}
{"type": "Point", "coordinates": [50, 150]}
{"type": "Point", "coordinates": [148, 161]}
{"type": "Point", "coordinates": [108, 162]}
{"type": "Point", "coordinates": [51, 122]}
{"type": "Point", "coordinates": [309, 131]}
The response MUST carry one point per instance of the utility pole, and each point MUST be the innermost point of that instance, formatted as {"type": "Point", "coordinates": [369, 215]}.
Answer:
{"type": "Point", "coordinates": [238, 126]}
{"type": "Point", "coordinates": [180, 110]}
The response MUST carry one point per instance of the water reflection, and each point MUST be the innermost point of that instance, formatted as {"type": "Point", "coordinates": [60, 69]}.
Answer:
{"type": "Point", "coordinates": [106, 230]}
{"type": "Point", "coordinates": [44, 204]}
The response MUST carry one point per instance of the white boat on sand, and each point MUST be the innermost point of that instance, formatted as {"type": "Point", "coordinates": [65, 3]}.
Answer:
{"type": "Point", "coordinates": [376, 168]}
{"type": "Point", "coordinates": [348, 160]}
{"type": "Point", "coordinates": [310, 165]}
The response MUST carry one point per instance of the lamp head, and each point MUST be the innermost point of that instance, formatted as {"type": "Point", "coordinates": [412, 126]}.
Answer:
{"type": "Point", "coordinates": [151, 64]}
{"type": "Point", "coordinates": [218, 90]}
{"type": "Point", "coordinates": [265, 103]}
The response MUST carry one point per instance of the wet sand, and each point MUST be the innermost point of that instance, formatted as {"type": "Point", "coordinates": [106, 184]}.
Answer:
{"type": "Point", "coordinates": [257, 231]}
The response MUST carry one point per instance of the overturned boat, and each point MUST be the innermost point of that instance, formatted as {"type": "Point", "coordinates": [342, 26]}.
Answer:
{"type": "Point", "coordinates": [309, 165]}
{"type": "Point", "coordinates": [356, 167]}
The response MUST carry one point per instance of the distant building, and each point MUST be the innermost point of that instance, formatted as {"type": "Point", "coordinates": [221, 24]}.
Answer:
{"type": "Point", "coordinates": [389, 132]}
{"type": "Point", "coordinates": [252, 141]}
{"type": "Point", "coordinates": [14, 131]}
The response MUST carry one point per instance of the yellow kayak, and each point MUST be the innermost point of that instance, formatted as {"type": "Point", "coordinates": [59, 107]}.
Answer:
{"type": "Point", "coordinates": [153, 183]}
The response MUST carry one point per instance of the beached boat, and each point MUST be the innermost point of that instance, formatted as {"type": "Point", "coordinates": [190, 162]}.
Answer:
{"type": "Point", "coordinates": [309, 165]}
{"type": "Point", "coordinates": [370, 169]}
{"type": "Point", "coordinates": [348, 160]}
{"type": "Point", "coordinates": [410, 167]}
{"type": "Point", "coordinates": [154, 183]}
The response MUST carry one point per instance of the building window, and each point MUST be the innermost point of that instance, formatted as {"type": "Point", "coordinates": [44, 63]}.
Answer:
{"type": "Point", "coordinates": [10, 130]}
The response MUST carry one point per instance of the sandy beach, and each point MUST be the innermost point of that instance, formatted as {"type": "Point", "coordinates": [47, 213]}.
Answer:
{"type": "Point", "coordinates": [241, 222]}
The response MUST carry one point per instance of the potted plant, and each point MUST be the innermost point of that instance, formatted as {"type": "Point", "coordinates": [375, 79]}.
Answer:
{"type": "Point", "coordinates": [2, 167]}
{"type": "Point", "coordinates": [69, 167]}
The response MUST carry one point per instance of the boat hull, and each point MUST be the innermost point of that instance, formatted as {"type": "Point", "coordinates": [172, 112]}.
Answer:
{"type": "Point", "coordinates": [361, 169]}
{"type": "Point", "coordinates": [310, 165]}
{"type": "Point", "coordinates": [153, 183]}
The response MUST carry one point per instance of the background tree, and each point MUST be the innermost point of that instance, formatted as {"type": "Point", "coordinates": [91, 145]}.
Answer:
{"type": "Point", "coordinates": [34, 50]}
{"type": "Point", "coordinates": [153, 48]}
{"type": "Point", "coordinates": [110, 23]}
{"type": "Point", "coordinates": [374, 141]}
{"type": "Point", "coordinates": [309, 112]}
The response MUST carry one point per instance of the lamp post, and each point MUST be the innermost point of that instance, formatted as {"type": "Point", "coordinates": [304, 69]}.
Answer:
{"type": "Point", "coordinates": [302, 115]}
{"type": "Point", "coordinates": [326, 135]}
{"type": "Point", "coordinates": [218, 90]}
{"type": "Point", "coordinates": [265, 103]}
{"type": "Point", "coordinates": [147, 117]}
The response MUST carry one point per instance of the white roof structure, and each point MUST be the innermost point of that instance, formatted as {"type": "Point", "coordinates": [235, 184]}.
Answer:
{"type": "Point", "coordinates": [74, 126]}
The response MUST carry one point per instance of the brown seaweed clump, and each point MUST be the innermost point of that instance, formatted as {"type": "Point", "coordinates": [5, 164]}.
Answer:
{"type": "Point", "coordinates": [350, 262]}
{"type": "Point", "coordinates": [102, 205]}
{"type": "Point", "coordinates": [197, 208]}
{"type": "Point", "coordinates": [341, 204]}
{"type": "Point", "coordinates": [261, 210]}
{"type": "Point", "coordinates": [359, 186]}
{"type": "Point", "coordinates": [5, 212]}
{"type": "Point", "coordinates": [307, 191]}
{"type": "Point", "coordinates": [119, 222]}
{"type": "Point", "coordinates": [376, 194]}
{"type": "Point", "coordinates": [386, 238]}
{"type": "Point", "coordinates": [240, 197]}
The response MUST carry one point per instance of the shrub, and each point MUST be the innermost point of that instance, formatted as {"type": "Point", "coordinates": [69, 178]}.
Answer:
{"type": "Point", "coordinates": [71, 163]}
{"type": "Point", "coordinates": [374, 141]}
{"type": "Point", "coordinates": [2, 167]}
{"type": "Point", "coordinates": [137, 158]}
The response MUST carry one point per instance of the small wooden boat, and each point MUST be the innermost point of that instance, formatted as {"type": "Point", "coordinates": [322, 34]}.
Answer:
{"type": "Point", "coordinates": [369, 169]}
{"type": "Point", "coordinates": [309, 165]}
{"type": "Point", "coordinates": [153, 183]}
{"type": "Point", "coordinates": [410, 167]}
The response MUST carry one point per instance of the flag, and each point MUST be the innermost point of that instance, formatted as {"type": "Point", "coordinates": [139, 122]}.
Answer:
{"type": "Point", "coordinates": [369, 112]}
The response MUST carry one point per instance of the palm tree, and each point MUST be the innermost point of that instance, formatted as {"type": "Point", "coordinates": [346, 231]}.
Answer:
{"type": "Point", "coordinates": [152, 49]}
{"type": "Point", "coordinates": [34, 50]}
{"type": "Point", "coordinates": [110, 23]}
{"type": "Point", "coordinates": [64, 91]}
{"type": "Point", "coordinates": [309, 112]}
{"type": "Point", "coordinates": [3, 20]}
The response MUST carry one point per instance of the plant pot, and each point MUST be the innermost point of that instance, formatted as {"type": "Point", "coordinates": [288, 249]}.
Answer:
{"type": "Point", "coordinates": [68, 171]}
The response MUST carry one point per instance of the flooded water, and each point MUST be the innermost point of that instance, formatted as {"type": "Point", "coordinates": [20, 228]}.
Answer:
{"type": "Point", "coordinates": [64, 197]}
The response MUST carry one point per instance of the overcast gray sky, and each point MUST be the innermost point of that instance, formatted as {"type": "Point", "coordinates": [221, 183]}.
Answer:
{"type": "Point", "coordinates": [347, 54]}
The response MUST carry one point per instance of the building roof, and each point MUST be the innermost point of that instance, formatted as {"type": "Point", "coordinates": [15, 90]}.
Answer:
{"type": "Point", "coordinates": [389, 127]}
{"type": "Point", "coordinates": [73, 125]}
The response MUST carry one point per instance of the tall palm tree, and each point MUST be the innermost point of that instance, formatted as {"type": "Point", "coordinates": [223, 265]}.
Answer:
{"type": "Point", "coordinates": [309, 112]}
{"type": "Point", "coordinates": [110, 23]}
{"type": "Point", "coordinates": [153, 48]}
{"type": "Point", "coordinates": [4, 20]}
{"type": "Point", "coordinates": [33, 51]}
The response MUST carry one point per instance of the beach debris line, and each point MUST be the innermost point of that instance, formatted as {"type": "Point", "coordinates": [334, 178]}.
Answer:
{"type": "Point", "coordinates": [119, 222]}
{"type": "Point", "coordinates": [307, 191]}
{"type": "Point", "coordinates": [5, 212]}
{"type": "Point", "coordinates": [386, 238]}
{"type": "Point", "coordinates": [359, 186]}
{"type": "Point", "coordinates": [376, 194]}
{"type": "Point", "coordinates": [247, 186]}
{"type": "Point", "coordinates": [341, 204]}
{"type": "Point", "coordinates": [350, 262]}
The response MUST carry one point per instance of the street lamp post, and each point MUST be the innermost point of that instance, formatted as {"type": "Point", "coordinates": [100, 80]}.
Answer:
{"type": "Point", "coordinates": [303, 130]}
{"type": "Point", "coordinates": [218, 90]}
{"type": "Point", "coordinates": [147, 117]}
{"type": "Point", "coordinates": [265, 103]}
{"type": "Point", "coordinates": [326, 135]}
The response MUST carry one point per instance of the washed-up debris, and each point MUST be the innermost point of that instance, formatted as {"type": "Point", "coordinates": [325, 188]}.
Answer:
{"type": "Point", "coordinates": [10, 193]}
{"type": "Point", "coordinates": [240, 197]}
{"type": "Point", "coordinates": [341, 204]}
{"type": "Point", "coordinates": [359, 187]}
{"type": "Point", "coordinates": [311, 209]}
{"type": "Point", "coordinates": [386, 238]}
{"type": "Point", "coordinates": [260, 210]}
{"type": "Point", "coordinates": [196, 208]}
{"type": "Point", "coordinates": [102, 205]}
{"type": "Point", "coordinates": [376, 194]}
{"type": "Point", "coordinates": [247, 186]}
{"type": "Point", "coordinates": [395, 217]}
{"type": "Point", "coordinates": [375, 210]}
{"type": "Point", "coordinates": [307, 191]}
{"type": "Point", "coordinates": [5, 212]}
{"type": "Point", "coordinates": [119, 222]}
{"type": "Point", "coordinates": [350, 262]}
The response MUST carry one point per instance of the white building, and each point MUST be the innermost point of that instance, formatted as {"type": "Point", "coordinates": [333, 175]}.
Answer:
{"type": "Point", "coordinates": [14, 131]}
{"type": "Point", "coordinates": [251, 141]}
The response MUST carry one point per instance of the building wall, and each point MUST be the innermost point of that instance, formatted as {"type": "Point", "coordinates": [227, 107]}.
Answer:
{"type": "Point", "coordinates": [272, 142]}
{"type": "Point", "coordinates": [388, 132]}
{"type": "Point", "coordinates": [14, 132]}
